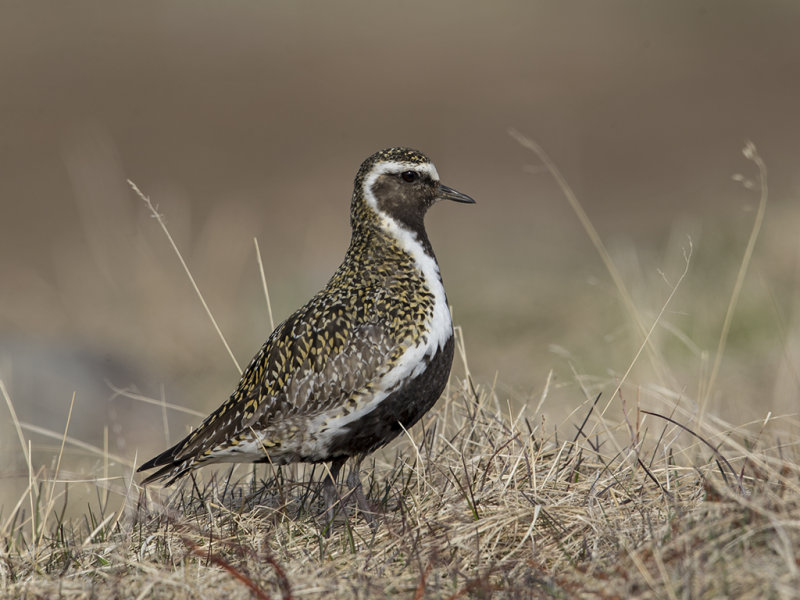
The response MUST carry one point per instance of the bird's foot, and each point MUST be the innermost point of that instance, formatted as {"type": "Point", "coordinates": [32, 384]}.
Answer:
{"type": "Point", "coordinates": [337, 503]}
{"type": "Point", "coordinates": [367, 508]}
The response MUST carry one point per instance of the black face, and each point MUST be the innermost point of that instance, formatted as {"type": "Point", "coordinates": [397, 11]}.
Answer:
{"type": "Point", "coordinates": [406, 196]}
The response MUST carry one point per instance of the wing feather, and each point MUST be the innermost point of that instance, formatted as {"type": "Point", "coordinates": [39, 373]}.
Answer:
{"type": "Point", "coordinates": [320, 358]}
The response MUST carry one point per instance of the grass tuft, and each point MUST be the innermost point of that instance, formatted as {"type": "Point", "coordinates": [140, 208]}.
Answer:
{"type": "Point", "coordinates": [481, 503]}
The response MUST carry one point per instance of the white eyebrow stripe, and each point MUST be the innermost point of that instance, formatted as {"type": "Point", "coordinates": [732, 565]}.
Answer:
{"type": "Point", "coordinates": [394, 166]}
{"type": "Point", "coordinates": [397, 166]}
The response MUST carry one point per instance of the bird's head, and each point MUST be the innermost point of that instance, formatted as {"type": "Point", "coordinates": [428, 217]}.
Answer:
{"type": "Point", "coordinates": [399, 184]}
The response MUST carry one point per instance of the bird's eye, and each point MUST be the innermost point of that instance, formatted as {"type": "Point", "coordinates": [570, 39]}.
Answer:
{"type": "Point", "coordinates": [409, 176]}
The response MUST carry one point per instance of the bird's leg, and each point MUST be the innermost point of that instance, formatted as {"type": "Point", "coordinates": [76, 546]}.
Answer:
{"type": "Point", "coordinates": [356, 489]}
{"type": "Point", "coordinates": [329, 493]}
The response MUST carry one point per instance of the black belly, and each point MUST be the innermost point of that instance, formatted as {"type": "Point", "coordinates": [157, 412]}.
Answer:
{"type": "Point", "coordinates": [399, 410]}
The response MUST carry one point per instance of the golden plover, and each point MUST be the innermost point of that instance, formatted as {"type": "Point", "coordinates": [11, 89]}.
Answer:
{"type": "Point", "coordinates": [364, 359]}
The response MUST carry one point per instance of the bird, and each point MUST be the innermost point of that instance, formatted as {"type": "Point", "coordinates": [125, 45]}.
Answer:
{"type": "Point", "coordinates": [362, 361]}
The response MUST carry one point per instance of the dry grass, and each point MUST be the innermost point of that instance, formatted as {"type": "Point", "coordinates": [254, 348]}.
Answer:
{"type": "Point", "coordinates": [641, 493]}
{"type": "Point", "coordinates": [477, 502]}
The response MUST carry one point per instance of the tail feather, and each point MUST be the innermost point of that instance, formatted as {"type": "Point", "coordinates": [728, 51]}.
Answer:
{"type": "Point", "coordinates": [172, 468]}
{"type": "Point", "coordinates": [173, 472]}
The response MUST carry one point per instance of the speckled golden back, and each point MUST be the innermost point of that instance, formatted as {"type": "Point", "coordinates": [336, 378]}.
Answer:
{"type": "Point", "coordinates": [326, 353]}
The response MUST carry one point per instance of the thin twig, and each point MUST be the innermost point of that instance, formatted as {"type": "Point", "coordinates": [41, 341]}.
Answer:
{"type": "Point", "coordinates": [264, 283]}
{"type": "Point", "coordinates": [594, 236]}
{"type": "Point", "coordinates": [49, 504]}
{"type": "Point", "coordinates": [236, 573]}
{"type": "Point", "coordinates": [750, 153]}
{"type": "Point", "coordinates": [717, 454]}
{"type": "Point", "coordinates": [197, 291]}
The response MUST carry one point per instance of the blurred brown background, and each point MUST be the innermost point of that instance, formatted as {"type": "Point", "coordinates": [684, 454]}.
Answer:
{"type": "Point", "coordinates": [249, 119]}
